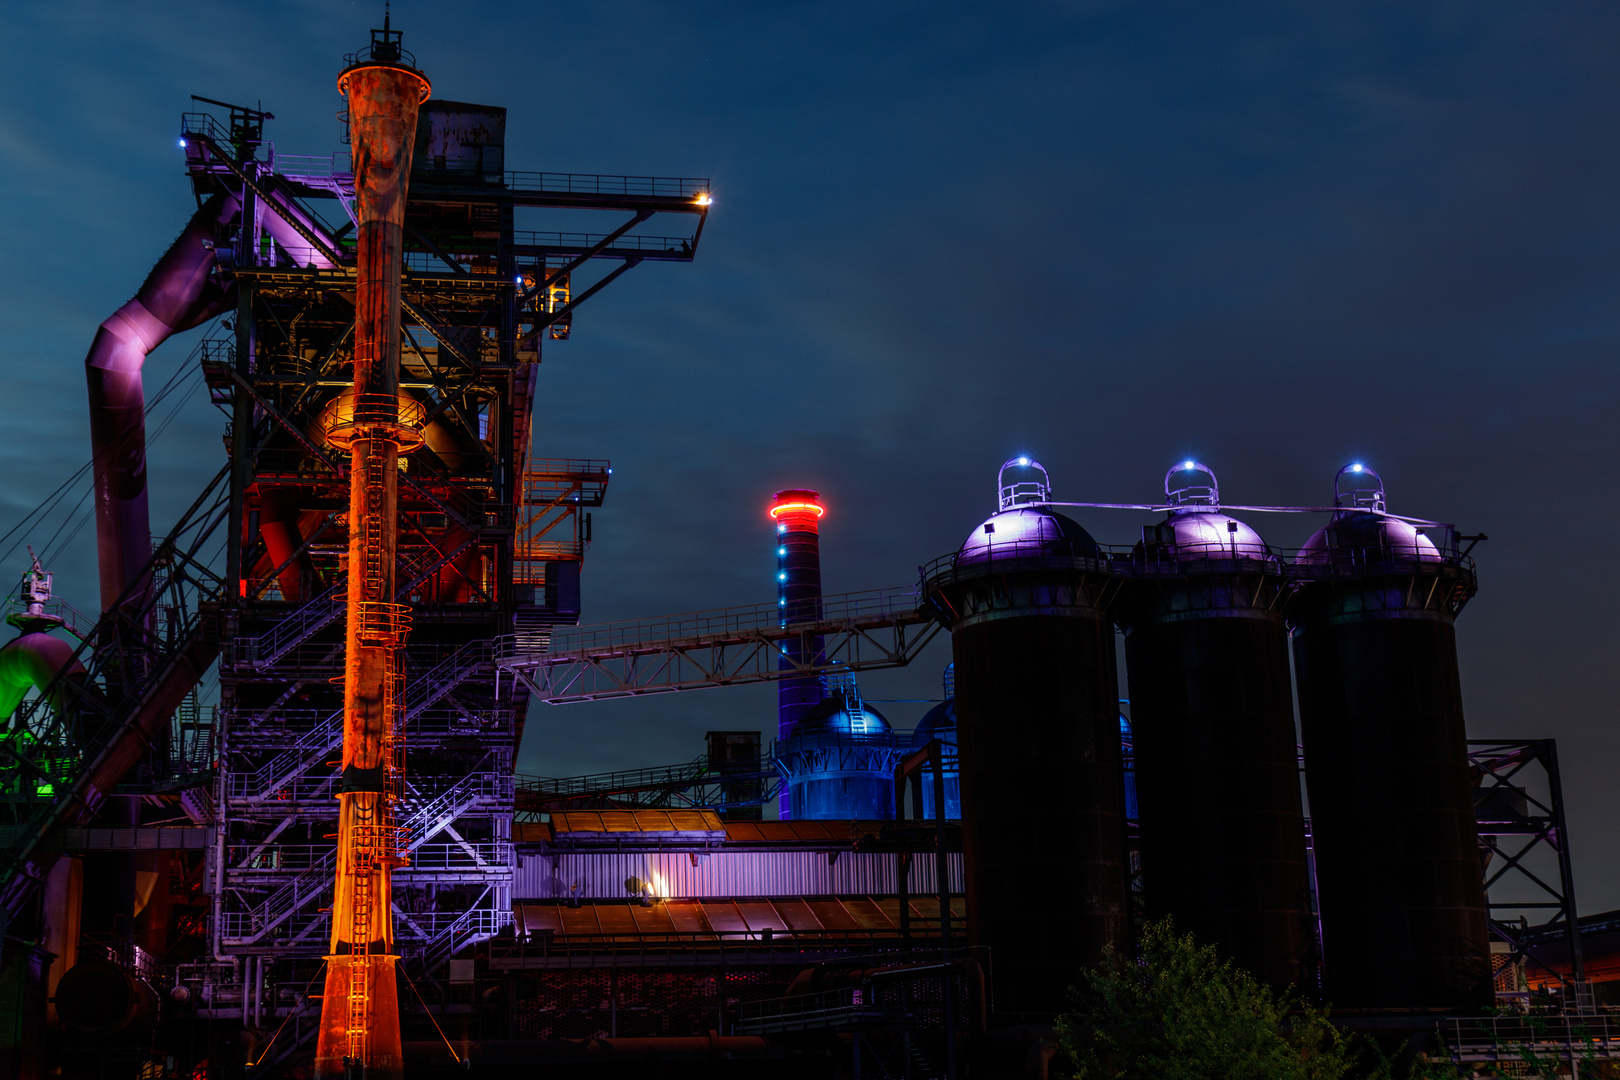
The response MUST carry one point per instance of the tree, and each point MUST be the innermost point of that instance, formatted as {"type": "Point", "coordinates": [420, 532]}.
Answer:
{"type": "Point", "coordinates": [1181, 1013]}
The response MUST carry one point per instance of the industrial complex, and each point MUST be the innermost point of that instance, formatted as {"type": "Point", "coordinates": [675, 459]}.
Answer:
{"type": "Point", "coordinates": [263, 816]}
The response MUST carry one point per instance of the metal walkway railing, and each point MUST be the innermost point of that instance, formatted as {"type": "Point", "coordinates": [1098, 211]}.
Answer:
{"type": "Point", "coordinates": [857, 631]}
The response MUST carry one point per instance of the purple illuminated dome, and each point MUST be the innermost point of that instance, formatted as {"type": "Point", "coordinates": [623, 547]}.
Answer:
{"type": "Point", "coordinates": [1197, 527]}
{"type": "Point", "coordinates": [1025, 526]}
{"type": "Point", "coordinates": [1361, 528]}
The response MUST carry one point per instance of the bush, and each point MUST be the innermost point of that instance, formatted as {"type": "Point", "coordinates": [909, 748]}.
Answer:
{"type": "Point", "coordinates": [1180, 1013]}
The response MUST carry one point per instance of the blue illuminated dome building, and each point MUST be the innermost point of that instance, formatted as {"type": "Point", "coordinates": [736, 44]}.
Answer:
{"type": "Point", "coordinates": [838, 761]}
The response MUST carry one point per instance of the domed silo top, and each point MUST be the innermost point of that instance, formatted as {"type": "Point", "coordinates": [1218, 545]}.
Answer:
{"type": "Point", "coordinates": [1196, 528]}
{"type": "Point", "coordinates": [937, 723]}
{"type": "Point", "coordinates": [1362, 529]}
{"type": "Point", "coordinates": [838, 718]}
{"type": "Point", "coordinates": [1024, 525]}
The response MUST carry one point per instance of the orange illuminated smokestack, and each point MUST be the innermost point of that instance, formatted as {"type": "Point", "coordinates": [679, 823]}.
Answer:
{"type": "Point", "coordinates": [359, 1033]}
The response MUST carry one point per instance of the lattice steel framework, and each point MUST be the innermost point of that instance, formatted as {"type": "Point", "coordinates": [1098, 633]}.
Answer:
{"type": "Point", "coordinates": [487, 542]}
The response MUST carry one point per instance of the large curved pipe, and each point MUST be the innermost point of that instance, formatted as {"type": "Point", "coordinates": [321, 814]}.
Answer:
{"type": "Point", "coordinates": [278, 221]}
{"type": "Point", "coordinates": [34, 660]}
{"type": "Point", "coordinates": [178, 294]}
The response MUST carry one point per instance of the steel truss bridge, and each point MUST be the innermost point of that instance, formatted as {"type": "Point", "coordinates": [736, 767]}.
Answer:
{"type": "Point", "coordinates": [857, 631]}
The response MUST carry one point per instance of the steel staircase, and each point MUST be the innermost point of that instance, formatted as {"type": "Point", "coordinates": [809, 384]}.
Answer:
{"type": "Point", "coordinates": [264, 651]}
{"type": "Point", "coordinates": [420, 824]}
{"type": "Point", "coordinates": [421, 693]}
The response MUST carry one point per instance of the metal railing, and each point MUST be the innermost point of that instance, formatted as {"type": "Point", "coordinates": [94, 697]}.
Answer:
{"type": "Point", "coordinates": [733, 623]}
{"type": "Point", "coordinates": [418, 823]}
{"type": "Point", "coordinates": [657, 187]}
{"type": "Point", "coordinates": [823, 1011]}
{"type": "Point", "coordinates": [569, 243]}
{"type": "Point", "coordinates": [701, 946]}
{"type": "Point", "coordinates": [297, 858]}
{"type": "Point", "coordinates": [851, 632]}
{"type": "Point", "coordinates": [1552, 1040]}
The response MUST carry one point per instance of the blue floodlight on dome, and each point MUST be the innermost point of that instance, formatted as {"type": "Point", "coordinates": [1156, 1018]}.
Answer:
{"type": "Point", "coordinates": [1188, 495]}
{"type": "Point", "coordinates": [1366, 491]}
{"type": "Point", "coordinates": [1023, 491]}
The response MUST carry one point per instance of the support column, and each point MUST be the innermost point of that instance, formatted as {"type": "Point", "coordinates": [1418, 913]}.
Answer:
{"type": "Point", "coordinates": [360, 1033]}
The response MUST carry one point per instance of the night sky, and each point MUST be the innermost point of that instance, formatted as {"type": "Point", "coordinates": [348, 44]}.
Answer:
{"type": "Point", "coordinates": [1276, 238]}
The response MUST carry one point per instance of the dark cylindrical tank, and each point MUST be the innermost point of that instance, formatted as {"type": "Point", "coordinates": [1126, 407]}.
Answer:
{"type": "Point", "coordinates": [797, 513]}
{"type": "Point", "coordinates": [839, 760]}
{"type": "Point", "coordinates": [97, 997]}
{"type": "Point", "coordinates": [1038, 729]}
{"type": "Point", "coordinates": [1216, 765]}
{"type": "Point", "coordinates": [1404, 921]}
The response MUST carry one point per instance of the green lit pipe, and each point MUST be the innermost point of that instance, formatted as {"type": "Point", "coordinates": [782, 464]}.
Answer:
{"type": "Point", "coordinates": [34, 660]}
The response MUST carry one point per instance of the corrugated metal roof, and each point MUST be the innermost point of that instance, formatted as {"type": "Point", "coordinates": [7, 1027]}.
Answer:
{"type": "Point", "coordinates": [584, 824]}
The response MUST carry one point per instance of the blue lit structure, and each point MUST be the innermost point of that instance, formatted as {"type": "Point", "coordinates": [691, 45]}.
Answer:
{"type": "Point", "coordinates": [838, 762]}
{"type": "Point", "coordinates": [940, 723]}
{"type": "Point", "coordinates": [1127, 751]}
{"type": "Point", "coordinates": [797, 514]}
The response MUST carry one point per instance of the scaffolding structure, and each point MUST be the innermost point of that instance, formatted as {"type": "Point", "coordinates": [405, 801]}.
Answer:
{"type": "Point", "coordinates": [489, 541]}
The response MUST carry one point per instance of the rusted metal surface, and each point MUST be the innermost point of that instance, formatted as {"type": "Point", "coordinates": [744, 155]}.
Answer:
{"type": "Point", "coordinates": [360, 1008]}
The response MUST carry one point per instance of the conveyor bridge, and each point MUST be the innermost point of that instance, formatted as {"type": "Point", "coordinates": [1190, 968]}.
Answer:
{"type": "Point", "coordinates": [856, 631]}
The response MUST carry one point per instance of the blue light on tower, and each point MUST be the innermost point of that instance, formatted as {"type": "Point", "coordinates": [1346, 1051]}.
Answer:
{"type": "Point", "coordinates": [797, 513]}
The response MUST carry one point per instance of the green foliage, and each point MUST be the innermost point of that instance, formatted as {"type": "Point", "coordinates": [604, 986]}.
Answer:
{"type": "Point", "coordinates": [1180, 1013]}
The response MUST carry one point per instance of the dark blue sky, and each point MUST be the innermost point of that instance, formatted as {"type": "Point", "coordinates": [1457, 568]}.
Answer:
{"type": "Point", "coordinates": [1276, 237]}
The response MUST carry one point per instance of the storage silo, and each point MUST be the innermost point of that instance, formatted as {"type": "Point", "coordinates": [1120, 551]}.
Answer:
{"type": "Point", "coordinates": [1404, 922]}
{"type": "Point", "coordinates": [1038, 731]}
{"type": "Point", "coordinates": [838, 762]}
{"type": "Point", "coordinates": [1216, 764]}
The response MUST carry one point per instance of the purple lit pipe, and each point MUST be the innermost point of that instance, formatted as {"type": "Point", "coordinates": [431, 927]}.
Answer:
{"type": "Point", "coordinates": [178, 294]}
{"type": "Point", "coordinates": [33, 660]}
{"type": "Point", "coordinates": [275, 221]}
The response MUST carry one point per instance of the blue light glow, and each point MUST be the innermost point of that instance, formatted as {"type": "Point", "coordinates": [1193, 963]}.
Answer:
{"type": "Point", "coordinates": [781, 529]}
{"type": "Point", "coordinates": [782, 576]}
{"type": "Point", "coordinates": [1023, 461]}
{"type": "Point", "coordinates": [781, 551]}
{"type": "Point", "coordinates": [1188, 464]}
{"type": "Point", "coordinates": [1356, 467]}
{"type": "Point", "coordinates": [182, 144]}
